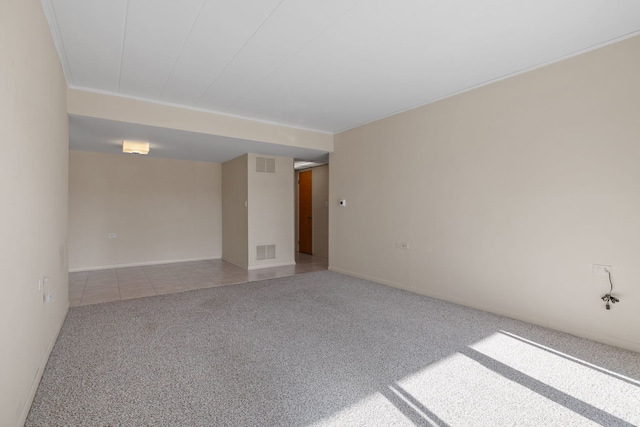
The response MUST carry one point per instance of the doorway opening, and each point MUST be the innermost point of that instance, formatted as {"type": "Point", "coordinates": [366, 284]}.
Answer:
{"type": "Point", "coordinates": [312, 211]}
{"type": "Point", "coordinates": [305, 212]}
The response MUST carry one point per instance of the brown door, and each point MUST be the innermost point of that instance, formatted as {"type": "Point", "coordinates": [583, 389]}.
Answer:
{"type": "Point", "coordinates": [305, 219]}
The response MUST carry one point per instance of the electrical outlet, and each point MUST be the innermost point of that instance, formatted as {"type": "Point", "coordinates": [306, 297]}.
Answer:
{"type": "Point", "coordinates": [48, 298]}
{"type": "Point", "coordinates": [402, 245]}
{"type": "Point", "coordinates": [601, 269]}
{"type": "Point", "coordinates": [112, 235]}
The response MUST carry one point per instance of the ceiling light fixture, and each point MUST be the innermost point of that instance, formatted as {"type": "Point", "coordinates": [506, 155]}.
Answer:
{"type": "Point", "coordinates": [303, 164]}
{"type": "Point", "coordinates": [133, 147]}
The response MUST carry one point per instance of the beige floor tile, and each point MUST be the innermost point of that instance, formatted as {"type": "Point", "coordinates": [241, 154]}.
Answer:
{"type": "Point", "coordinates": [305, 268]}
{"type": "Point", "coordinates": [98, 286]}
{"type": "Point", "coordinates": [75, 294]}
{"type": "Point", "coordinates": [207, 271]}
{"type": "Point", "coordinates": [102, 279]}
{"type": "Point", "coordinates": [102, 284]}
{"type": "Point", "coordinates": [101, 292]}
{"type": "Point", "coordinates": [129, 270]}
{"type": "Point", "coordinates": [154, 267]}
{"type": "Point", "coordinates": [97, 299]}
{"type": "Point", "coordinates": [170, 289]}
{"type": "Point", "coordinates": [170, 281]}
{"type": "Point", "coordinates": [156, 273]}
{"type": "Point", "coordinates": [131, 278]}
{"type": "Point", "coordinates": [180, 268]}
{"type": "Point", "coordinates": [191, 280]}
{"type": "Point", "coordinates": [262, 276]}
{"type": "Point", "coordinates": [102, 274]}
{"type": "Point", "coordinates": [134, 282]}
{"type": "Point", "coordinates": [210, 284]}
{"type": "Point", "coordinates": [229, 281]}
{"type": "Point", "coordinates": [137, 293]}
{"type": "Point", "coordinates": [233, 270]}
{"type": "Point", "coordinates": [76, 286]}
{"type": "Point", "coordinates": [205, 283]}
{"type": "Point", "coordinates": [132, 286]}
{"type": "Point", "coordinates": [79, 282]}
{"type": "Point", "coordinates": [221, 275]}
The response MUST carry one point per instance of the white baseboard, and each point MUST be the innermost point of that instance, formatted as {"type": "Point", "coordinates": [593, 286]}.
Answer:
{"type": "Point", "coordinates": [270, 265]}
{"type": "Point", "coordinates": [43, 364]}
{"type": "Point", "coordinates": [141, 264]}
{"type": "Point", "coordinates": [614, 341]}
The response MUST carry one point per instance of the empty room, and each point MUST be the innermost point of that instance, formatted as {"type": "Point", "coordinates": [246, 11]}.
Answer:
{"type": "Point", "coordinates": [320, 213]}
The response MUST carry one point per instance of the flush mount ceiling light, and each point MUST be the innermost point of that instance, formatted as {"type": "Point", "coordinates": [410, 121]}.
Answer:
{"type": "Point", "coordinates": [134, 147]}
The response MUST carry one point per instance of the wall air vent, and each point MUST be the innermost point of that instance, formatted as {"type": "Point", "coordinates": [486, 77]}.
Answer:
{"type": "Point", "coordinates": [265, 165]}
{"type": "Point", "coordinates": [271, 251]}
{"type": "Point", "coordinates": [265, 252]}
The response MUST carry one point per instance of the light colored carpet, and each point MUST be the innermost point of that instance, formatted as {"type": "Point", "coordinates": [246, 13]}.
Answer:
{"type": "Point", "coordinates": [325, 349]}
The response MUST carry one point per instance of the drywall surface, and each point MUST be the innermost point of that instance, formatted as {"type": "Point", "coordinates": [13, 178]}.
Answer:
{"type": "Point", "coordinates": [33, 184]}
{"type": "Point", "coordinates": [271, 211]}
{"type": "Point", "coordinates": [320, 210]}
{"type": "Point", "coordinates": [506, 196]}
{"type": "Point", "coordinates": [93, 104]}
{"type": "Point", "coordinates": [235, 217]}
{"type": "Point", "coordinates": [160, 210]}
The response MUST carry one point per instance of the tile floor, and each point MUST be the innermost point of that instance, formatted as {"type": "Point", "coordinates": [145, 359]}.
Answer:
{"type": "Point", "coordinates": [94, 287]}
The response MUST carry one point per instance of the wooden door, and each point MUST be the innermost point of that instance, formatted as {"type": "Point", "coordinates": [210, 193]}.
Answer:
{"type": "Point", "coordinates": [305, 209]}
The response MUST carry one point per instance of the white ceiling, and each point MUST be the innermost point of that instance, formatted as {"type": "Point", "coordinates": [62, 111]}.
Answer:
{"type": "Point", "coordinates": [326, 65]}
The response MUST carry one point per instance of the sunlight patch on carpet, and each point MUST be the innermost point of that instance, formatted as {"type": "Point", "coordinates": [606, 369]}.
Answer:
{"type": "Point", "coordinates": [602, 389]}
{"type": "Point", "coordinates": [461, 391]}
{"type": "Point", "coordinates": [372, 410]}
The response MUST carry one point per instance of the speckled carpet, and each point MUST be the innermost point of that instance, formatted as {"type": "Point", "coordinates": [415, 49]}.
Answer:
{"type": "Point", "coordinates": [324, 349]}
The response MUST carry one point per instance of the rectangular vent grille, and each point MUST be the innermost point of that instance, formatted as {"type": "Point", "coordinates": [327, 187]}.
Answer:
{"type": "Point", "coordinates": [264, 252]}
{"type": "Point", "coordinates": [265, 165]}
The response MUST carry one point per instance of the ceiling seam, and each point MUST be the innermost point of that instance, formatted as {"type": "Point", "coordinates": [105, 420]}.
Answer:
{"type": "Point", "coordinates": [237, 53]}
{"type": "Point", "coordinates": [164, 85]}
{"type": "Point", "coordinates": [324, 30]}
{"type": "Point", "coordinates": [124, 35]}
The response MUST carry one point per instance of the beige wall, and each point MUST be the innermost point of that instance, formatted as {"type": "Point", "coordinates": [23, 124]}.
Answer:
{"type": "Point", "coordinates": [92, 104]}
{"type": "Point", "coordinates": [235, 231]}
{"type": "Point", "coordinates": [161, 210]}
{"type": "Point", "coordinates": [271, 212]}
{"type": "Point", "coordinates": [320, 190]}
{"type": "Point", "coordinates": [33, 184]}
{"type": "Point", "coordinates": [506, 195]}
